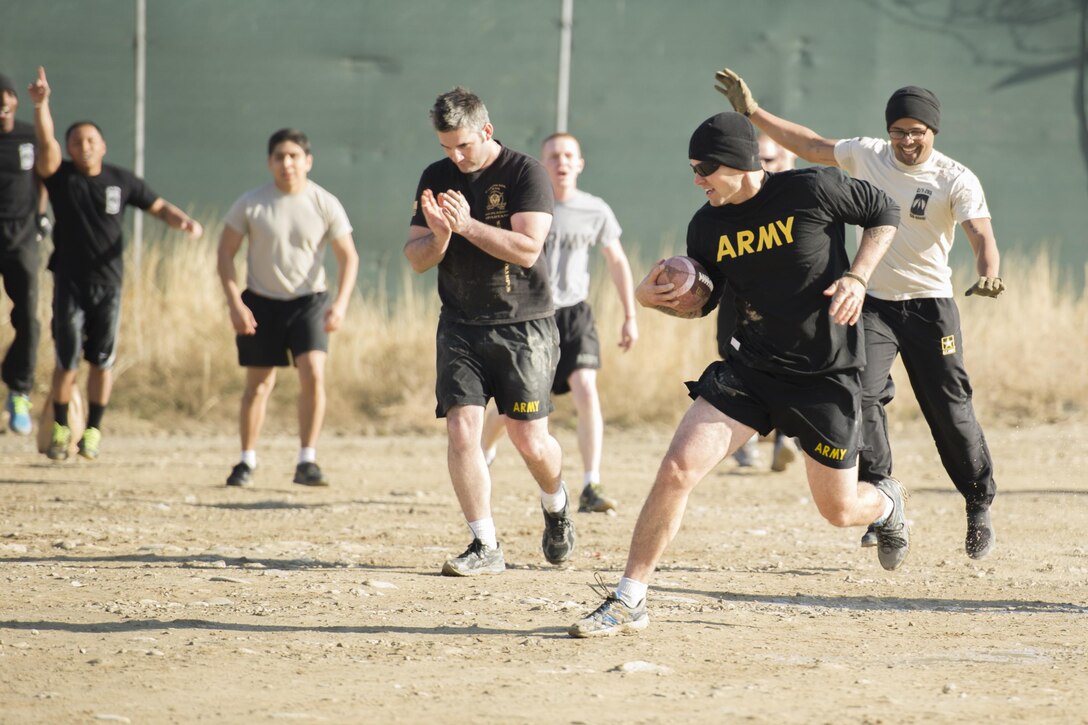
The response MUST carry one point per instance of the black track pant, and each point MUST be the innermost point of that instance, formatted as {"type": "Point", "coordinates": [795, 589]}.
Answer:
{"type": "Point", "coordinates": [926, 332]}
{"type": "Point", "coordinates": [19, 259]}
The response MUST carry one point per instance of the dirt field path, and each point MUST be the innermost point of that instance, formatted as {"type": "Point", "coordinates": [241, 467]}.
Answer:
{"type": "Point", "coordinates": [139, 589]}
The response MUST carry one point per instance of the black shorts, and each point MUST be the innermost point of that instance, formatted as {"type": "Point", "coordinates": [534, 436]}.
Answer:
{"type": "Point", "coordinates": [512, 363]}
{"type": "Point", "coordinates": [823, 412]}
{"type": "Point", "coordinates": [87, 317]}
{"type": "Point", "coordinates": [579, 346]}
{"type": "Point", "coordinates": [296, 326]}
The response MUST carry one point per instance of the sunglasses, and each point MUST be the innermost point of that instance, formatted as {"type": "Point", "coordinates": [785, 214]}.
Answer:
{"type": "Point", "coordinates": [705, 168]}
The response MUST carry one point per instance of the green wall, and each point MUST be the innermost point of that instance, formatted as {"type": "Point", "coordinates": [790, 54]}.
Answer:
{"type": "Point", "coordinates": [359, 76]}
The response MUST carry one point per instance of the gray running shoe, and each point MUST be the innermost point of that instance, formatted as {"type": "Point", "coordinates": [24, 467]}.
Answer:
{"type": "Point", "coordinates": [869, 538]}
{"type": "Point", "coordinates": [593, 500]}
{"type": "Point", "coordinates": [747, 456]}
{"type": "Point", "coordinates": [980, 532]}
{"type": "Point", "coordinates": [558, 539]}
{"type": "Point", "coordinates": [308, 474]}
{"type": "Point", "coordinates": [893, 535]}
{"type": "Point", "coordinates": [612, 617]}
{"type": "Point", "coordinates": [240, 475]}
{"type": "Point", "coordinates": [477, 559]}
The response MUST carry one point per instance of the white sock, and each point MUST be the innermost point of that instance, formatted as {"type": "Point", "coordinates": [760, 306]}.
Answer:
{"type": "Point", "coordinates": [631, 592]}
{"type": "Point", "coordinates": [250, 458]}
{"type": "Point", "coordinates": [307, 455]}
{"type": "Point", "coordinates": [888, 506]}
{"type": "Point", "coordinates": [591, 477]}
{"type": "Point", "coordinates": [490, 453]}
{"type": "Point", "coordinates": [484, 530]}
{"type": "Point", "coordinates": [554, 502]}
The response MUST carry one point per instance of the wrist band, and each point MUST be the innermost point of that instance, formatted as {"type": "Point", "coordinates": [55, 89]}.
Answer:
{"type": "Point", "coordinates": [858, 277]}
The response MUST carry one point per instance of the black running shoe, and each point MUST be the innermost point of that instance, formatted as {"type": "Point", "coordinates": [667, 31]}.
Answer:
{"type": "Point", "coordinates": [558, 539]}
{"type": "Point", "coordinates": [240, 475]}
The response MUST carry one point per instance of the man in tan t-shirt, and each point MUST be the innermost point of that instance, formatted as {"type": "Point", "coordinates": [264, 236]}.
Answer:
{"type": "Point", "coordinates": [285, 312]}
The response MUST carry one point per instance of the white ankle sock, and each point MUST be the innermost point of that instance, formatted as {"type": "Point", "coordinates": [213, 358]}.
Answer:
{"type": "Point", "coordinates": [591, 477]}
{"type": "Point", "coordinates": [249, 458]}
{"type": "Point", "coordinates": [554, 502]}
{"type": "Point", "coordinates": [484, 530]}
{"type": "Point", "coordinates": [888, 506]}
{"type": "Point", "coordinates": [307, 455]}
{"type": "Point", "coordinates": [631, 592]}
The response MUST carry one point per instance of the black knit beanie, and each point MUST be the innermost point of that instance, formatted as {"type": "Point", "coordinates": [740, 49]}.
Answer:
{"type": "Point", "coordinates": [914, 102]}
{"type": "Point", "coordinates": [728, 138]}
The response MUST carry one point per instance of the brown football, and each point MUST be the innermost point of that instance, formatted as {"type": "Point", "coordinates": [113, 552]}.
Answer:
{"type": "Point", "coordinates": [691, 280]}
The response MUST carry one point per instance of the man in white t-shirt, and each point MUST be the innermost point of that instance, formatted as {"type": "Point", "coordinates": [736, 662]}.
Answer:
{"type": "Point", "coordinates": [580, 222]}
{"type": "Point", "coordinates": [910, 310]}
{"type": "Point", "coordinates": [285, 312]}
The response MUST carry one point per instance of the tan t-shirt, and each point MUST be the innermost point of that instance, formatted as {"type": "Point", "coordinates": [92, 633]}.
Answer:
{"type": "Point", "coordinates": [934, 197]}
{"type": "Point", "coordinates": [288, 235]}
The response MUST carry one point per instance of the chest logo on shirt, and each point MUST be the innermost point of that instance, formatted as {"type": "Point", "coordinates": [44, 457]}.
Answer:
{"type": "Point", "coordinates": [26, 156]}
{"type": "Point", "coordinates": [918, 206]}
{"type": "Point", "coordinates": [767, 237]}
{"type": "Point", "coordinates": [496, 202]}
{"type": "Point", "coordinates": [113, 199]}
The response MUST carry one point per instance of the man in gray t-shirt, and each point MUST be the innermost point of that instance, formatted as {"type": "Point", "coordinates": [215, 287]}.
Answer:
{"type": "Point", "coordinates": [580, 222]}
{"type": "Point", "coordinates": [285, 312]}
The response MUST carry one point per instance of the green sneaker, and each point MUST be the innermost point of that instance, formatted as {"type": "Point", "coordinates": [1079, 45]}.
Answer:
{"type": "Point", "coordinates": [60, 442]}
{"type": "Point", "coordinates": [88, 444]}
{"type": "Point", "coordinates": [18, 406]}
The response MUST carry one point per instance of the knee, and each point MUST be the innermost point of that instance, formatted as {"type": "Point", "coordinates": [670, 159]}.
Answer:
{"type": "Point", "coordinates": [836, 514]}
{"type": "Point", "coordinates": [673, 475]}
{"type": "Point", "coordinates": [530, 441]}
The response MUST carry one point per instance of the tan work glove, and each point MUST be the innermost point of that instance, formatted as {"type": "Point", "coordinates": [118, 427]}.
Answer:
{"type": "Point", "coordinates": [736, 90]}
{"type": "Point", "coordinates": [986, 287]}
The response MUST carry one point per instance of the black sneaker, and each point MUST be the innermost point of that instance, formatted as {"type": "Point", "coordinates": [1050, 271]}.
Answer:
{"type": "Point", "coordinates": [593, 500]}
{"type": "Point", "coordinates": [980, 532]}
{"type": "Point", "coordinates": [477, 559]}
{"type": "Point", "coordinates": [558, 539]}
{"type": "Point", "coordinates": [869, 538]}
{"type": "Point", "coordinates": [893, 535]}
{"type": "Point", "coordinates": [240, 475]}
{"type": "Point", "coordinates": [308, 474]}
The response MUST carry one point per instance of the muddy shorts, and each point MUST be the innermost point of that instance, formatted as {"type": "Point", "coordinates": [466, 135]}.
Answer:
{"type": "Point", "coordinates": [513, 363]}
{"type": "Point", "coordinates": [823, 412]}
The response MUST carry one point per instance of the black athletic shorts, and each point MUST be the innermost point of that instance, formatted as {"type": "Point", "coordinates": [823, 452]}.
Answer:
{"type": "Point", "coordinates": [823, 412]}
{"type": "Point", "coordinates": [513, 363]}
{"type": "Point", "coordinates": [579, 346]}
{"type": "Point", "coordinates": [296, 326]}
{"type": "Point", "coordinates": [85, 316]}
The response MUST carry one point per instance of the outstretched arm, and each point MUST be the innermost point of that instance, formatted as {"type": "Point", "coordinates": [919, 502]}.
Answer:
{"type": "Point", "coordinates": [175, 218]}
{"type": "Point", "coordinates": [49, 154]}
{"type": "Point", "coordinates": [848, 292]}
{"type": "Point", "coordinates": [802, 141]}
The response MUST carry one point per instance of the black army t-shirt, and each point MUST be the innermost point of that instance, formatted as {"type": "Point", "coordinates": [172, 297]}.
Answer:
{"type": "Point", "coordinates": [90, 212]}
{"type": "Point", "coordinates": [778, 252]}
{"type": "Point", "coordinates": [18, 192]}
{"type": "Point", "coordinates": [474, 287]}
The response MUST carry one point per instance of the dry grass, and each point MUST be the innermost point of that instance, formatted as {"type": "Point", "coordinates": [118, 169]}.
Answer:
{"type": "Point", "coordinates": [177, 368]}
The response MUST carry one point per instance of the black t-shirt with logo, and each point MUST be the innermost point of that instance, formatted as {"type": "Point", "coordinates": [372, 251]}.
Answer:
{"type": "Point", "coordinates": [18, 192]}
{"type": "Point", "coordinates": [778, 252]}
{"type": "Point", "coordinates": [90, 212]}
{"type": "Point", "coordinates": [476, 288]}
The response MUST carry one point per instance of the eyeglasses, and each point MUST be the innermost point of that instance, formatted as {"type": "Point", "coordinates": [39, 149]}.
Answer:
{"type": "Point", "coordinates": [915, 134]}
{"type": "Point", "coordinates": [705, 168]}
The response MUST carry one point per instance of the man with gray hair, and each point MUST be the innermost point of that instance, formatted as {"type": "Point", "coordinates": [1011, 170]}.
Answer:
{"type": "Point", "coordinates": [481, 216]}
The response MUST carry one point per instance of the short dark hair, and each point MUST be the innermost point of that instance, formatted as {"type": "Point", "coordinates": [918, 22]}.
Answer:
{"type": "Point", "coordinates": [561, 134]}
{"type": "Point", "coordinates": [77, 124]}
{"type": "Point", "coordinates": [288, 134]}
{"type": "Point", "coordinates": [459, 108]}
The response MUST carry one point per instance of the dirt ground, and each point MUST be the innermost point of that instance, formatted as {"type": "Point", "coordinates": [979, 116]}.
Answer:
{"type": "Point", "coordinates": [139, 589]}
